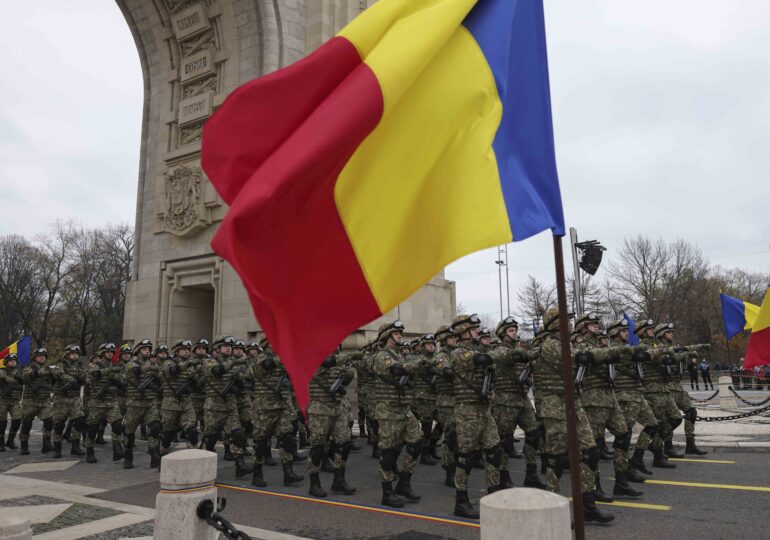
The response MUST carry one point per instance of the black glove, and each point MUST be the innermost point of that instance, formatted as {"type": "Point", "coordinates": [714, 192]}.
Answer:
{"type": "Point", "coordinates": [329, 361]}
{"type": "Point", "coordinates": [136, 370]}
{"type": "Point", "coordinates": [681, 349]}
{"type": "Point", "coordinates": [218, 370]}
{"type": "Point", "coordinates": [268, 363]}
{"type": "Point", "coordinates": [448, 372]}
{"type": "Point", "coordinates": [482, 359]}
{"type": "Point", "coordinates": [174, 369]}
{"type": "Point", "coordinates": [397, 370]}
{"type": "Point", "coordinates": [640, 356]}
{"type": "Point", "coordinates": [97, 374]}
{"type": "Point", "coordinates": [518, 357]}
{"type": "Point", "coordinates": [583, 358]}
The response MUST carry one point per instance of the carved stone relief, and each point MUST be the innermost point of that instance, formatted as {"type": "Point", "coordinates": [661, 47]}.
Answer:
{"type": "Point", "coordinates": [183, 210]}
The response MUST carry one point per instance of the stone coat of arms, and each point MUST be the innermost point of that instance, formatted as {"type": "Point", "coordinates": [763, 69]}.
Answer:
{"type": "Point", "coordinates": [182, 214]}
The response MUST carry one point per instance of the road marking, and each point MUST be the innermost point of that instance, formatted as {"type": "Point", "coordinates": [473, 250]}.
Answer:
{"type": "Point", "coordinates": [378, 510]}
{"type": "Point", "coordinates": [712, 486]}
{"type": "Point", "coordinates": [728, 462]}
{"type": "Point", "coordinates": [629, 504]}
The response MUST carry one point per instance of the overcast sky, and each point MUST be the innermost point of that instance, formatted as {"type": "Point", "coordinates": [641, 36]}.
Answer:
{"type": "Point", "coordinates": [661, 111]}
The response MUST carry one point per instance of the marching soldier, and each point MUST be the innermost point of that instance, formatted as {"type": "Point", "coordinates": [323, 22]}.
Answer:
{"type": "Point", "coordinates": [221, 408]}
{"type": "Point", "coordinates": [68, 377]}
{"type": "Point", "coordinates": [511, 406]}
{"type": "Point", "coordinates": [327, 419]}
{"type": "Point", "coordinates": [36, 401]}
{"type": "Point", "coordinates": [11, 385]}
{"type": "Point", "coordinates": [244, 378]}
{"type": "Point", "coordinates": [124, 357]}
{"type": "Point", "coordinates": [107, 352]}
{"type": "Point", "coordinates": [272, 415]}
{"type": "Point", "coordinates": [176, 411]}
{"type": "Point", "coordinates": [424, 401]}
{"type": "Point", "coordinates": [142, 379]}
{"type": "Point", "coordinates": [550, 385]}
{"type": "Point", "coordinates": [397, 424]}
{"type": "Point", "coordinates": [445, 402]}
{"type": "Point", "coordinates": [665, 334]}
{"type": "Point", "coordinates": [103, 378]}
{"type": "Point", "coordinates": [473, 377]}
{"type": "Point", "coordinates": [198, 396]}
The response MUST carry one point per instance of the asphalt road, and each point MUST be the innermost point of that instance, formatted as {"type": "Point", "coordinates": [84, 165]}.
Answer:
{"type": "Point", "coordinates": [683, 511]}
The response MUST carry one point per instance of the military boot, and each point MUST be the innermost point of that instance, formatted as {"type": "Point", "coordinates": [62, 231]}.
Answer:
{"type": "Point", "coordinates": [2, 442]}
{"type": "Point", "coordinates": [57, 450]}
{"type": "Point", "coordinates": [269, 461]}
{"type": "Point", "coordinates": [76, 450]}
{"type": "Point", "coordinates": [376, 451]}
{"type": "Point", "coordinates": [661, 461]}
{"type": "Point", "coordinates": [340, 485]}
{"type": "Point", "coordinates": [142, 432]}
{"type": "Point", "coordinates": [632, 475]}
{"type": "Point", "coordinates": [117, 450]}
{"type": "Point", "coordinates": [543, 463]}
{"type": "Point", "coordinates": [404, 487]}
{"type": "Point", "coordinates": [622, 489]}
{"type": "Point", "coordinates": [24, 451]}
{"type": "Point", "coordinates": [505, 479]}
{"type": "Point", "coordinates": [10, 443]}
{"type": "Point", "coordinates": [229, 456]}
{"type": "Point", "coordinates": [672, 452]}
{"type": "Point", "coordinates": [531, 479]}
{"type": "Point", "coordinates": [606, 453]}
{"type": "Point", "coordinates": [449, 479]}
{"type": "Point", "coordinates": [601, 496]}
{"type": "Point", "coordinates": [433, 450]}
{"type": "Point", "coordinates": [389, 498]}
{"type": "Point", "coordinates": [426, 458]}
{"type": "Point", "coordinates": [693, 450]}
{"type": "Point", "coordinates": [90, 457]}
{"type": "Point", "coordinates": [303, 440]}
{"type": "Point", "coordinates": [257, 479]}
{"type": "Point", "coordinates": [316, 490]}
{"type": "Point", "coordinates": [47, 447]}
{"type": "Point", "coordinates": [289, 476]}
{"type": "Point", "coordinates": [327, 466]}
{"type": "Point", "coordinates": [128, 458]}
{"type": "Point", "coordinates": [100, 436]}
{"type": "Point", "coordinates": [637, 463]}
{"type": "Point", "coordinates": [591, 512]}
{"type": "Point", "coordinates": [463, 506]}
{"type": "Point", "coordinates": [241, 467]}
{"type": "Point", "coordinates": [154, 457]}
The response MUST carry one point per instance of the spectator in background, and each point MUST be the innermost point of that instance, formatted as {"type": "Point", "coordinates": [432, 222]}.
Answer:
{"type": "Point", "coordinates": [704, 373]}
{"type": "Point", "coordinates": [759, 375]}
{"type": "Point", "coordinates": [692, 369]}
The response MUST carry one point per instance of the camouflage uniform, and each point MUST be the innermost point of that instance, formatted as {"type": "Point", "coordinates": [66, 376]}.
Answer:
{"type": "Point", "coordinates": [198, 378]}
{"type": "Point", "coordinates": [328, 420]}
{"type": "Point", "coordinates": [68, 377]}
{"type": "Point", "coordinates": [142, 379]}
{"type": "Point", "coordinates": [104, 379]}
{"type": "Point", "coordinates": [424, 400]}
{"type": "Point", "coordinates": [445, 401]}
{"type": "Point", "coordinates": [273, 414]}
{"type": "Point", "coordinates": [367, 380]}
{"type": "Point", "coordinates": [11, 384]}
{"type": "Point", "coordinates": [512, 407]}
{"type": "Point", "coordinates": [36, 402]}
{"type": "Point", "coordinates": [176, 411]}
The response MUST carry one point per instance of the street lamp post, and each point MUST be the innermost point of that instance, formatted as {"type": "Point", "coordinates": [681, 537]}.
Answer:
{"type": "Point", "coordinates": [500, 263]}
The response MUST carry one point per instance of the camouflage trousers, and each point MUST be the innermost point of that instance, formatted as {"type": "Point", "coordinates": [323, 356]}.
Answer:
{"type": "Point", "coordinates": [639, 411]}
{"type": "Point", "coordinates": [10, 407]}
{"type": "Point", "coordinates": [97, 412]}
{"type": "Point", "coordinates": [66, 408]}
{"type": "Point", "coordinates": [476, 432]}
{"type": "Point", "coordinates": [141, 413]}
{"type": "Point", "coordinates": [510, 416]}
{"type": "Point", "coordinates": [244, 406]}
{"type": "Point", "coordinates": [34, 408]}
{"type": "Point", "coordinates": [122, 404]}
{"type": "Point", "coordinates": [325, 428]}
{"type": "Point", "coordinates": [684, 403]}
{"type": "Point", "coordinates": [555, 424]}
{"type": "Point", "coordinates": [665, 410]}
{"type": "Point", "coordinates": [397, 425]}
{"type": "Point", "coordinates": [611, 418]}
{"type": "Point", "coordinates": [198, 401]}
{"type": "Point", "coordinates": [177, 414]}
{"type": "Point", "coordinates": [273, 423]}
{"type": "Point", "coordinates": [425, 412]}
{"type": "Point", "coordinates": [446, 417]}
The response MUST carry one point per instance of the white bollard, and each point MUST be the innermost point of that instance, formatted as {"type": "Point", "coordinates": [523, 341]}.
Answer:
{"type": "Point", "coordinates": [186, 478]}
{"type": "Point", "coordinates": [726, 398]}
{"type": "Point", "coordinates": [525, 513]}
{"type": "Point", "coordinates": [15, 528]}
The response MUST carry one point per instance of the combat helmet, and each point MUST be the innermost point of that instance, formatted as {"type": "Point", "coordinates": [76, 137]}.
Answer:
{"type": "Point", "coordinates": [641, 329]}
{"type": "Point", "coordinates": [224, 340]}
{"type": "Point", "coordinates": [443, 333]}
{"type": "Point", "coordinates": [389, 328]}
{"type": "Point", "coordinates": [551, 320]}
{"type": "Point", "coordinates": [40, 351]}
{"type": "Point", "coordinates": [505, 324]}
{"type": "Point", "coordinates": [662, 328]}
{"type": "Point", "coordinates": [182, 344]}
{"type": "Point", "coordinates": [465, 322]}
{"type": "Point", "coordinates": [142, 344]}
{"type": "Point", "coordinates": [202, 342]}
{"type": "Point", "coordinates": [615, 328]}
{"type": "Point", "coordinates": [583, 320]}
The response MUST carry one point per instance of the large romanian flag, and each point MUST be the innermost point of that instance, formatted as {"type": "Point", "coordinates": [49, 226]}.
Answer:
{"type": "Point", "coordinates": [758, 350]}
{"type": "Point", "coordinates": [20, 348]}
{"type": "Point", "coordinates": [420, 133]}
{"type": "Point", "coordinates": [737, 316]}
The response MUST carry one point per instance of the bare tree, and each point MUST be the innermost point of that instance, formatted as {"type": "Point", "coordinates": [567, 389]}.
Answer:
{"type": "Point", "coordinates": [534, 298]}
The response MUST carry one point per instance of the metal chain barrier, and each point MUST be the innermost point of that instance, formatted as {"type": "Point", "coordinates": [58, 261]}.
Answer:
{"type": "Point", "coordinates": [733, 417]}
{"type": "Point", "coordinates": [206, 511]}
{"type": "Point", "coordinates": [712, 396]}
{"type": "Point", "coordinates": [747, 402]}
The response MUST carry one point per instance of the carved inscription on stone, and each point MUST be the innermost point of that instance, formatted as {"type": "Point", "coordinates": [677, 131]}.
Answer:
{"type": "Point", "coordinates": [194, 108]}
{"type": "Point", "coordinates": [197, 65]}
{"type": "Point", "coordinates": [183, 201]}
{"type": "Point", "coordinates": [190, 21]}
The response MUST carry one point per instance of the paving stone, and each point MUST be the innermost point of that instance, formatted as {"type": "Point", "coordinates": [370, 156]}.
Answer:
{"type": "Point", "coordinates": [75, 515]}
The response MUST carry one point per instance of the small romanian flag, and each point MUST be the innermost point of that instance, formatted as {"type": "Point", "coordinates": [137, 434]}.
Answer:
{"type": "Point", "coordinates": [758, 350]}
{"type": "Point", "coordinates": [20, 348]}
{"type": "Point", "coordinates": [737, 316]}
{"type": "Point", "coordinates": [420, 133]}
